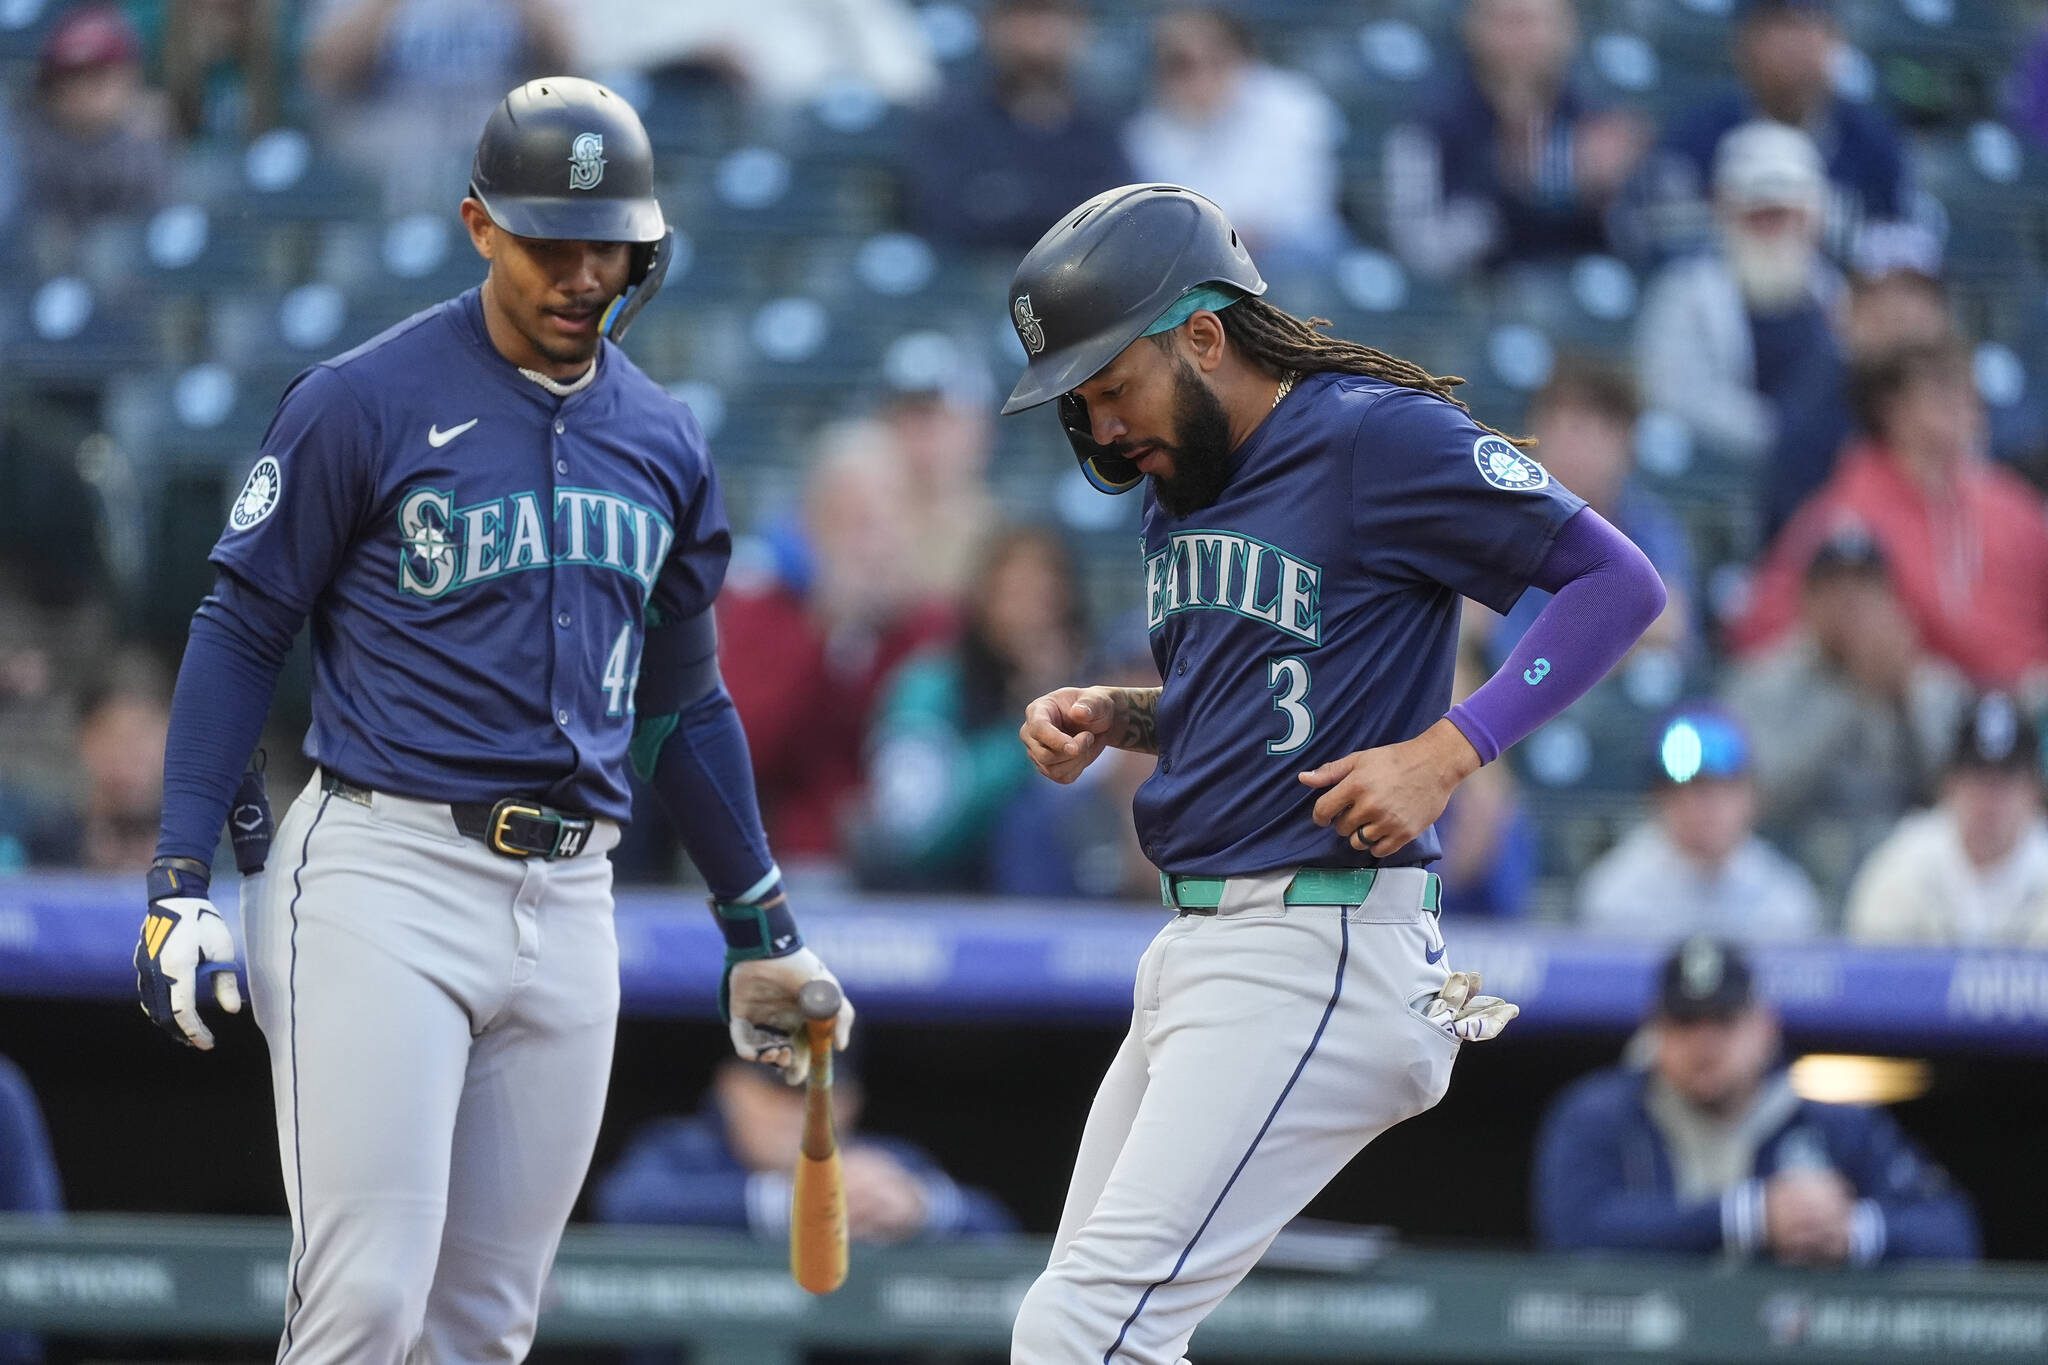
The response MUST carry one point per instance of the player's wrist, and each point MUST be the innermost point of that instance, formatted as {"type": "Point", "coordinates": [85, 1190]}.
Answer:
{"type": "Point", "coordinates": [175, 876]}
{"type": "Point", "coordinates": [756, 929]}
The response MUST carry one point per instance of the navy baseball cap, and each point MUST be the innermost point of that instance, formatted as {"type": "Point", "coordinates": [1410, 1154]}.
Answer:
{"type": "Point", "coordinates": [1699, 742]}
{"type": "Point", "coordinates": [1996, 736]}
{"type": "Point", "coordinates": [1705, 978]}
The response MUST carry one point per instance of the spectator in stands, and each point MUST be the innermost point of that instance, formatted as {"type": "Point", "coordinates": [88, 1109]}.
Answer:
{"type": "Point", "coordinates": [728, 1166]}
{"type": "Point", "coordinates": [946, 761]}
{"type": "Point", "coordinates": [1850, 714]}
{"type": "Point", "coordinates": [1007, 150]}
{"type": "Point", "coordinates": [221, 62]}
{"type": "Point", "coordinates": [1967, 541]}
{"type": "Point", "coordinates": [776, 52]}
{"type": "Point", "coordinates": [938, 434]}
{"type": "Point", "coordinates": [1490, 844]}
{"type": "Point", "coordinates": [1972, 871]}
{"type": "Point", "coordinates": [1260, 141]}
{"type": "Point", "coordinates": [812, 622]}
{"type": "Point", "coordinates": [121, 729]}
{"type": "Point", "coordinates": [1516, 163]}
{"type": "Point", "coordinates": [1729, 338]}
{"type": "Point", "coordinates": [1055, 842]}
{"type": "Point", "coordinates": [1886, 310]}
{"type": "Point", "coordinates": [1697, 865]}
{"type": "Point", "coordinates": [28, 1181]}
{"type": "Point", "coordinates": [1584, 419]}
{"type": "Point", "coordinates": [1708, 1149]}
{"type": "Point", "coordinates": [1784, 57]}
{"type": "Point", "coordinates": [94, 141]}
{"type": "Point", "coordinates": [407, 83]}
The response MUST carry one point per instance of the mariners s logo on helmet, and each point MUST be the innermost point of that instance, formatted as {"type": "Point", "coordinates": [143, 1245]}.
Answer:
{"type": "Point", "coordinates": [586, 161]}
{"type": "Point", "coordinates": [1028, 330]}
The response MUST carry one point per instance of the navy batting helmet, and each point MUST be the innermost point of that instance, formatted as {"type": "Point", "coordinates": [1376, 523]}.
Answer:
{"type": "Point", "coordinates": [564, 157]}
{"type": "Point", "coordinates": [1129, 262]}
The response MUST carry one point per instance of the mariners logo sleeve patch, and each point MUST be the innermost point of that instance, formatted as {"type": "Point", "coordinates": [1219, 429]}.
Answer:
{"type": "Point", "coordinates": [1507, 468]}
{"type": "Point", "coordinates": [258, 498]}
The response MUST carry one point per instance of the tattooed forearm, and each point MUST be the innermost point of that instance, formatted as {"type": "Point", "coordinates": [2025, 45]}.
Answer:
{"type": "Point", "coordinates": [1137, 719]}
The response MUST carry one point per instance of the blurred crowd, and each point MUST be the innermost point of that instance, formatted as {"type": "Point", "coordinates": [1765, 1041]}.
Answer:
{"type": "Point", "coordinates": [1835, 727]}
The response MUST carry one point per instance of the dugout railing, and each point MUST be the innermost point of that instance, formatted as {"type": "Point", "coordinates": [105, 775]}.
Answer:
{"type": "Point", "coordinates": [730, 1301]}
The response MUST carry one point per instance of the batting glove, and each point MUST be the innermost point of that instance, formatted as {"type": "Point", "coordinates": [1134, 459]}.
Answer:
{"type": "Point", "coordinates": [181, 934]}
{"type": "Point", "coordinates": [766, 1023]}
{"type": "Point", "coordinates": [1459, 1010]}
{"type": "Point", "coordinates": [766, 964]}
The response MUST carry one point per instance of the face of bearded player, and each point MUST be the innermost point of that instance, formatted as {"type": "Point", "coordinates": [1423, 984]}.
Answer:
{"type": "Point", "coordinates": [1772, 251]}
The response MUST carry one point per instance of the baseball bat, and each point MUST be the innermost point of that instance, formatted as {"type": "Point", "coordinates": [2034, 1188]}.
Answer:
{"type": "Point", "coordinates": [817, 1212]}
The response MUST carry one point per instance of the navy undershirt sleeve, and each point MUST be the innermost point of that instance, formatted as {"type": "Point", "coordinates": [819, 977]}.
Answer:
{"type": "Point", "coordinates": [704, 778]}
{"type": "Point", "coordinates": [235, 651]}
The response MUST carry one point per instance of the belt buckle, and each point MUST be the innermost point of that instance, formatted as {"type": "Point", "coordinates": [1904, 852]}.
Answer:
{"type": "Point", "coordinates": [501, 818]}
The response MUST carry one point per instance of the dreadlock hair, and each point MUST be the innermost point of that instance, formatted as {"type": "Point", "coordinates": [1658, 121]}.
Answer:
{"type": "Point", "coordinates": [1281, 341]}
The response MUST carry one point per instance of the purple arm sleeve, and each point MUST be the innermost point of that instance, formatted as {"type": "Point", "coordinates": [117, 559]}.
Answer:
{"type": "Point", "coordinates": [236, 648]}
{"type": "Point", "coordinates": [1604, 595]}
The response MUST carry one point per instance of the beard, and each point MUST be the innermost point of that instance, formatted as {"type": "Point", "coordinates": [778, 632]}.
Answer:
{"type": "Point", "coordinates": [1773, 273]}
{"type": "Point", "coordinates": [1200, 449]}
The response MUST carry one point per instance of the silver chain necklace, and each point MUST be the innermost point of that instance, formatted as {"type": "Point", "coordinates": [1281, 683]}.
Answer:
{"type": "Point", "coordinates": [1286, 387]}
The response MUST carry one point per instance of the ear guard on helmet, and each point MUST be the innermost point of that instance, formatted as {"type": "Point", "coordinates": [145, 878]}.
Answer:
{"type": "Point", "coordinates": [1108, 471]}
{"type": "Point", "coordinates": [647, 270]}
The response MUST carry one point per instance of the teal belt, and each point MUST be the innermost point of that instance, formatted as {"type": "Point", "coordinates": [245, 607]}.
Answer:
{"type": "Point", "coordinates": [1310, 886]}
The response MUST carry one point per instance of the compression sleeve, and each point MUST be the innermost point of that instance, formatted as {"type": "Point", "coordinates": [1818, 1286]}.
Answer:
{"type": "Point", "coordinates": [689, 746]}
{"type": "Point", "coordinates": [1605, 594]}
{"type": "Point", "coordinates": [235, 650]}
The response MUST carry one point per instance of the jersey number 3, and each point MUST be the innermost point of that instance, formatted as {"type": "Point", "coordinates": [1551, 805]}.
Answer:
{"type": "Point", "coordinates": [1289, 679]}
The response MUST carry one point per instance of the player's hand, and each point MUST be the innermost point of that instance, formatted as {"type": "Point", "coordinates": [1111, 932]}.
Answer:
{"type": "Point", "coordinates": [1382, 799]}
{"type": "Point", "coordinates": [767, 1023]}
{"type": "Point", "coordinates": [884, 1202]}
{"type": "Point", "coordinates": [1807, 1215]}
{"type": "Point", "coordinates": [1461, 1011]}
{"type": "Point", "coordinates": [181, 934]}
{"type": "Point", "coordinates": [1064, 731]}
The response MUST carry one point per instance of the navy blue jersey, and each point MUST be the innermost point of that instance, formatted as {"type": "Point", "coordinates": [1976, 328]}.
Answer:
{"type": "Point", "coordinates": [1312, 610]}
{"type": "Point", "coordinates": [478, 557]}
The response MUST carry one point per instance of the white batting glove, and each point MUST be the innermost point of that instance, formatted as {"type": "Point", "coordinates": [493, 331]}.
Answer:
{"type": "Point", "coordinates": [180, 934]}
{"type": "Point", "coordinates": [1459, 1010]}
{"type": "Point", "coordinates": [767, 1024]}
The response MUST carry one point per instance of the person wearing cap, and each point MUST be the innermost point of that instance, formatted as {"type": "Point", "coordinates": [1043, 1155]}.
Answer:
{"type": "Point", "coordinates": [1849, 713]}
{"type": "Point", "coordinates": [1707, 1149]}
{"type": "Point", "coordinates": [1973, 870]}
{"type": "Point", "coordinates": [1966, 538]}
{"type": "Point", "coordinates": [1784, 52]}
{"type": "Point", "coordinates": [1697, 864]}
{"type": "Point", "coordinates": [728, 1166]}
{"type": "Point", "coordinates": [1729, 337]}
{"type": "Point", "coordinates": [95, 139]}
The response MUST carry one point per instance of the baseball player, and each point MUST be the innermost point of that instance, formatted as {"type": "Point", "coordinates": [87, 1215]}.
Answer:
{"type": "Point", "coordinates": [1315, 511]}
{"type": "Point", "coordinates": [508, 540]}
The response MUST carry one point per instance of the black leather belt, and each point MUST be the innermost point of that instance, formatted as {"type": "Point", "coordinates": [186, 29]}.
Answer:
{"type": "Point", "coordinates": [514, 827]}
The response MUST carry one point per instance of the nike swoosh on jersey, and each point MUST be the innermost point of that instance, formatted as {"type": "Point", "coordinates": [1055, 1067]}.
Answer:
{"type": "Point", "coordinates": [1436, 955]}
{"type": "Point", "coordinates": [438, 438]}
